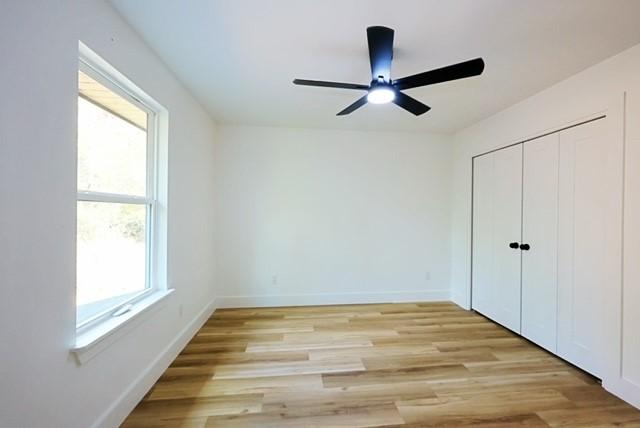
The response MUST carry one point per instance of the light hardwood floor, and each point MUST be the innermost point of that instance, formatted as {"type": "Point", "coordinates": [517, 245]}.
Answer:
{"type": "Point", "coordinates": [409, 365]}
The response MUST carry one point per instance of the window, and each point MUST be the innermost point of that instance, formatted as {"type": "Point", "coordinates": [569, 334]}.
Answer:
{"type": "Point", "coordinates": [117, 204]}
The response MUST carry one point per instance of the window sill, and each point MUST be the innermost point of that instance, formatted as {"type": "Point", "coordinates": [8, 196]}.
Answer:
{"type": "Point", "coordinates": [91, 342]}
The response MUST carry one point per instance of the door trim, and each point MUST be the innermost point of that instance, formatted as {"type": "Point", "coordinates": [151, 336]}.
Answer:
{"type": "Point", "coordinates": [602, 116]}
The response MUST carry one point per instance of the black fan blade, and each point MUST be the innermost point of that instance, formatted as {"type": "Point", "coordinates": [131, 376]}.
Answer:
{"type": "Point", "coordinates": [461, 70]}
{"type": "Point", "coordinates": [329, 84]}
{"type": "Point", "coordinates": [353, 107]}
{"type": "Point", "coordinates": [380, 51]}
{"type": "Point", "coordinates": [410, 104]}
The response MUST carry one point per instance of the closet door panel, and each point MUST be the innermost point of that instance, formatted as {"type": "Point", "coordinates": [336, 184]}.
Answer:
{"type": "Point", "coordinates": [540, 231]}
{"type": "Point", "coordinates": [483, 276]}
{"type": "Point", "coordinates": [508, 228]}
{"type": "Point", "coordinates": [497, 222]}
{"type": "Point", "coordinates": [582, 239]}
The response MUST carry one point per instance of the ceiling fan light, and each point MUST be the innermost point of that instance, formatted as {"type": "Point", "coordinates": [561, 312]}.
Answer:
{"type": "Point", "coordinates": [381, 95]}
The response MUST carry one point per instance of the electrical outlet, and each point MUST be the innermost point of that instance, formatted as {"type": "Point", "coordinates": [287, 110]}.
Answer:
{"type": "Point", "coordinates": [427, 276]}
{"type": "Point", "coordinates": [274, 279]}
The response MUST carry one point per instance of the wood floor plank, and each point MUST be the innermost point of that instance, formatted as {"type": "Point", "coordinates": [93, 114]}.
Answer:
{"type": "Point", "coordinates": [256, 370]}
{"type": "Point", "coordinates": [210, 387]}
{"type": "Point", "coordinates": [607, 417]}
{"type": "Point", "coordinates": [213, 359]}
{"type": "Point", "coordinates": [376, 365]}
{"type": "Point", "coordinates": [371, 351]}
{"type": "Point", "coordinates": [149, 411]}
{"type": "Point", "coordinates": [346, 398]}
{"type": "Point", "coordinates": [390, 376]}
{"type": "Point", "coordinates": [310, 343]}
{"type": "Point", "coordinates": [297, 322]}
{"type": "Point", "coordinates": [512, 421]}
{"type": "Point", "coordinates": [487, 406]}
{"type": "Point", "coordinates": [424, 360]}
{"type": "Point", "coordinates": [284, 418]}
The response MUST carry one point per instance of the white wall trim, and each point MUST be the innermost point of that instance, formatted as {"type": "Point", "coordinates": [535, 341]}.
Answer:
{"type": "Point", "coordinates": [125, 403]}
{"type": "Point", "coordinates": [554, 128]}
{"type": "Point", "coordinates": [274, 300]}
{"type": "Point", "coordinates": [623, 389]}
{"type": "Point", "coordinates": [460, 299]}
{"type": "Point", "coordinates": [99, 337]}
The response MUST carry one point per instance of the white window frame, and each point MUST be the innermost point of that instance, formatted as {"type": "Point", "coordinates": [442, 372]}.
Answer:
{"type": "Point", "coordinates": [152, 283]}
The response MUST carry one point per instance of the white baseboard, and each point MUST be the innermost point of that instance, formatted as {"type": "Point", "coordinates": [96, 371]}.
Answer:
{"type": "Point", "coordinates": [461, 299]}
{"type": "Point", "coordinates": [120, 409]}
{"type": "Point", "coordinates": [274, 300]}
{"type": "Point", "coordinates": [624, 390]}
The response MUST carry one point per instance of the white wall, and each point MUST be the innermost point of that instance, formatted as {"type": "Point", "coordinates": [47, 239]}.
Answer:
{"type": "Point", "coordinates": [335, 216]}
{"type": "Point", "coordinates": [599, 89]}
{"type": "Point", "coordinates": [41, 385]}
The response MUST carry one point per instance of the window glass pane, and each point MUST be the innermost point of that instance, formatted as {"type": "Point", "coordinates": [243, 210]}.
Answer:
{"type": "Point", "coordinates": [112, 147]}
{"type": "Point", "coordinates": [111, 264]}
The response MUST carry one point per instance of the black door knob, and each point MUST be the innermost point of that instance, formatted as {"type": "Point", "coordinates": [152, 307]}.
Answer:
{"type": "Point", "coordinates": [514, 245]}
{"type": "Point", "coordinates": [525, 247]}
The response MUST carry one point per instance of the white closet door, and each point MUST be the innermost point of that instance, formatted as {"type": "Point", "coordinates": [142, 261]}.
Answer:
{"type": "Point", "coordinates": [482, 264]}
{"type": "Point", "coordinates": [497, 203]}
{"type": "Point", "coordinates": [540, 232]}
{"type": "Point", "coordinates": [582, 244]}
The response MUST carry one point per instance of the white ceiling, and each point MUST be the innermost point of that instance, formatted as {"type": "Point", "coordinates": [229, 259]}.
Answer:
{"type": "Point", "coordinates": [240, 56]}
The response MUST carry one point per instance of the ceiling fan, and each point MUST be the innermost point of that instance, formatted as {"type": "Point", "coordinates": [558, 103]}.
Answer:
{"type": "Point", "coordinates": [382, 89]}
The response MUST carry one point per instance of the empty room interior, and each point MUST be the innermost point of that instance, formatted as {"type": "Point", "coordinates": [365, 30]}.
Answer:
{"type": "Point", "coordinates": [340, 213]}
